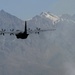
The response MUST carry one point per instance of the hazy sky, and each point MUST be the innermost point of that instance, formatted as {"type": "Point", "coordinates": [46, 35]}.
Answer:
{"type": "Point", "coordinates": [26, 9]}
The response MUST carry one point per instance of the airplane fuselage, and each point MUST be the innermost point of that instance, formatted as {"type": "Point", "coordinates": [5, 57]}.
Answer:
{"type": "Point", "coordinates": [22, 35]}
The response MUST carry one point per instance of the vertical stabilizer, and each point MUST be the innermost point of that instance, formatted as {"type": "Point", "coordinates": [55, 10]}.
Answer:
{"type": "Point", "coordinates": [25, 27]}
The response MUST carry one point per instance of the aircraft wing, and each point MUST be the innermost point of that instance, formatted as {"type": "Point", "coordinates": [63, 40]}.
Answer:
{"type": "Point", "coordinates": [39, 30]}
{"type": "Point", "coordinates": [9, 32]}
{"type": "Point", "coordinates": [35, 31]}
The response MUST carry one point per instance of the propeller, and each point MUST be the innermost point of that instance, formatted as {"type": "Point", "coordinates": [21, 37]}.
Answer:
{"type": "Point", "coordinates": [3, 30]}
{"type": "Point", "coordinates": [11, 31]}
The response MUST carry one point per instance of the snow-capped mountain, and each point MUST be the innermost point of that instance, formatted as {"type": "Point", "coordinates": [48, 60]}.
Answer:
{"type": "Point", "coordinates": [50, 16]}
{"type": "Point", "coordinates": [49, 53]}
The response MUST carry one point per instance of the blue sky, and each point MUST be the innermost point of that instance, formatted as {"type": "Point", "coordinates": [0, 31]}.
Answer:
{"type": "Point", "coordinates": [26, 9]}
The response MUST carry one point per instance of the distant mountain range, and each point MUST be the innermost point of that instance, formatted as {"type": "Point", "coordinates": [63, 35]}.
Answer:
{"type": "Point", "coordinates": [49, 53]}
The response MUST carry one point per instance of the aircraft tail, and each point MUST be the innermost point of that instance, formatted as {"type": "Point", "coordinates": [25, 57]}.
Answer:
{"type": "Point", "coordinates": [25, 27]}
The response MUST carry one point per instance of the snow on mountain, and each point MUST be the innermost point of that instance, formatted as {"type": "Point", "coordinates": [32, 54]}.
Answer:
{"type": "Point", "coordinates": [68, 17]}
{"type": "Point", "coordinates": [50, 16]}
{"type": "Point", "coordinates": [47, 53]}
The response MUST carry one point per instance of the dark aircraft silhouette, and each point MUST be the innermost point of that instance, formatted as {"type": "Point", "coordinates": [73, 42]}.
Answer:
{"type": "Point", "coordinates": [24, 34]}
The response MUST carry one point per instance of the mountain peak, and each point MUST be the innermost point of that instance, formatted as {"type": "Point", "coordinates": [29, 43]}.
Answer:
{"type": "Point", "coordinates": [2, 11]}
{"type": "Point", "coordinates": [50, 16]}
